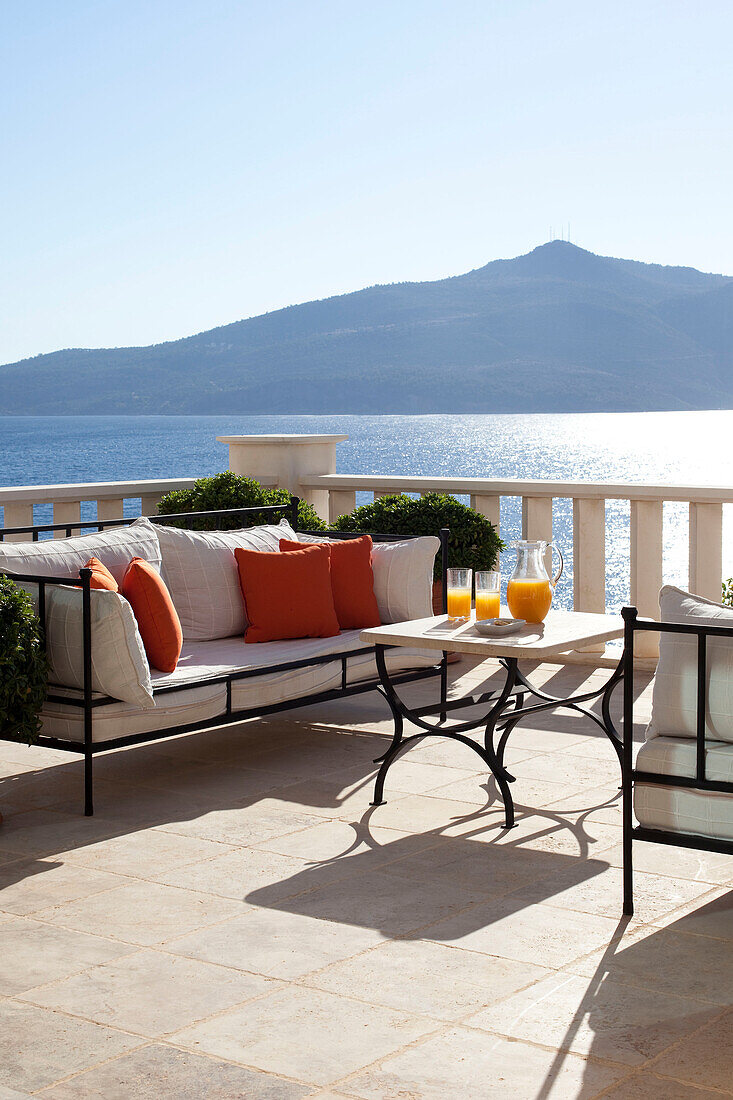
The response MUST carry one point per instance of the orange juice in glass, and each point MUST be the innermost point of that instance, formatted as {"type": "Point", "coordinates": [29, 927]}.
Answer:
{"type": "Point", "coordinates": [488, 594]}
{"type": "Point", "coordinates": [458, 592]}
{"type": "Point", "coordinates": [530, 590]}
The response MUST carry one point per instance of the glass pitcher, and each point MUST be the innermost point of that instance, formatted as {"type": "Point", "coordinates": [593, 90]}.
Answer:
{"type": "Point", "coordinates": [530, 590]}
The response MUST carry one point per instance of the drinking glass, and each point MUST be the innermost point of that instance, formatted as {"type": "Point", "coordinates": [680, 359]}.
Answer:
{"type": "Point", "coordinates": [459, 595]}
{"type": "Point", "coordinates": [488, 594]}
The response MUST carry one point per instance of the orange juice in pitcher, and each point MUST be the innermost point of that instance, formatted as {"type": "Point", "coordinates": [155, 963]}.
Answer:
{"type": "Point", "coordinates": [530, 590]}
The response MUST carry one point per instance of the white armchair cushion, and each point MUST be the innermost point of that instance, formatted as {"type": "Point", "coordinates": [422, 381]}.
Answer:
{"type": "Point", "coordinates": [115, 548]}
{"type": "Point", "coordinates": [200, 570]}
{"type": "Point", "coordinates": [403, 576]}
{"type": "Point", "coordinates": [674, 697]}
{"type": "Point", "coordinates": [119, 666]}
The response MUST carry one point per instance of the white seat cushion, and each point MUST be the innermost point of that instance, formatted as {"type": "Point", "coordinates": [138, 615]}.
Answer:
{"type": "Point", "coordinates": [190, 705]}
{"type": "Point", "coordinates": [680, 809]}
{"type": "Point", "coordinates": [674, 697]}
{"type": "Point", "coordinates": [115, 548]}
{"type": "Point", "coordinates": [202, 660]}
{"type": "Point", "coordinates": [201, 572]}
{"type": "Point", "coordinates": [403, 576]}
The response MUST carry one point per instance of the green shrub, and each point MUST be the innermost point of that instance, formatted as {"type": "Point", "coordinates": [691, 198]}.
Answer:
{"type": "Point", "coordinates": [727, 596]}
{"type": "Point", "coordinates": [228, 490]}
{"type": "Point", "coordinates": [23, 664]}
{"type": "Point", "coordinates": [473, 541]}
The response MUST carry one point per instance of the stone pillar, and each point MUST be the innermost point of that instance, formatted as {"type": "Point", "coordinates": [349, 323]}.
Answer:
{"type": "Point", "coordinates": [286, 459]}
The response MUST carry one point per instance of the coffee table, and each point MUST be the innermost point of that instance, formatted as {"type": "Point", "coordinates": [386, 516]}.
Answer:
{"type": "Point", "coordinates": [504, 708]}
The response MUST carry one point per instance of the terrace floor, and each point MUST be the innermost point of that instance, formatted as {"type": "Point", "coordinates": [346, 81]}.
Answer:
{"type": "Point", "coordinates": [235, 921]}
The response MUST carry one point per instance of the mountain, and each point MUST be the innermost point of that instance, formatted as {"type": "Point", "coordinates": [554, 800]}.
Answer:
{"type": "Point", "coordinates": [557, 330]}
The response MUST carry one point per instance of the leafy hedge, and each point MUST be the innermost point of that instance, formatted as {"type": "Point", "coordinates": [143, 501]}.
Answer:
{"type": "Point", "coordinates": [23, 664]}
{"type": "Point", "coordinates": [228, 490]}
{"type": "Point", "coordinates": [473, 542]}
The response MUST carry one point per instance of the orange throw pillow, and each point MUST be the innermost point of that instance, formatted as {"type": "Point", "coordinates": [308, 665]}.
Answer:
{"type": "Point", "coordinates": [287, 595]}
{"type": "Point", "coordinates": [101, 576]}
{"type": "Point", "coordinates": [352, 580]}
{"type": "Point", "coordinates": [157, 618]}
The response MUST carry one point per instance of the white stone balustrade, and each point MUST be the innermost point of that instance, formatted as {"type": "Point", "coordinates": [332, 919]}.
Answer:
{"type": "Point", "coordinates": [306, 466]}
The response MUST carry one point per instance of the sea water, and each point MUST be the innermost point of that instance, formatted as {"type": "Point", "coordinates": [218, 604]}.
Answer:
{"type": "Point", "coordinates": [689, 448]}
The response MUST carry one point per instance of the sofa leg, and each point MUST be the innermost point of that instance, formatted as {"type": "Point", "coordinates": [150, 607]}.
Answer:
{"type": "Point", "coordinates": [444, 686]}
{"type": "Point", "coordinates": [88, 788]}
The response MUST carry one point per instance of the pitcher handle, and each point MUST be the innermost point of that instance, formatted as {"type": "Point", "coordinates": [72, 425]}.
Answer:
{"type": "Point", "coordinates": [556, 578]}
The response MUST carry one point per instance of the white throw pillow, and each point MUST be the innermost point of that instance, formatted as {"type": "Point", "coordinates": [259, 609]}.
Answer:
{"type": "Point", "coordinates": [119, 666]}
{"type": "Point", "coordinates": [674, 696]}
{"type": "Point", "coordinates": [201, 572]}
{"type": "Point", "coordinates": [115, 548]}
{"type": "Point", "coordinates": [403, 576]}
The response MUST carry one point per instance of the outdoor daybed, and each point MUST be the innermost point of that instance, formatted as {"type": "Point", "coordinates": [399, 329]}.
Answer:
{"type": "Point", "coordinates": [102, 692]}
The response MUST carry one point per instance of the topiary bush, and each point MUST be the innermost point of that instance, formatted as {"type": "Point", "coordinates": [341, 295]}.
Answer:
{"type": "Point", "coordinates": [23, 664]}
{"type": "Point", "coordinates": [228, 490]}
{"type": "Point", "coordinates": [473, 542]}
{"type": "Point", "coordinates": [727, 593]}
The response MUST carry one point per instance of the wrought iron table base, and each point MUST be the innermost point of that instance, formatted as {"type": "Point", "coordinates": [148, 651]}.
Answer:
{"type": "Point", "coordinates": [505, 711]}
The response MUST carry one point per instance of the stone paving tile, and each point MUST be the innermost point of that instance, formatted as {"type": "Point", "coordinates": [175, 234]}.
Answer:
{"type": "Point", "coordinates": [570, 890]}
{"type": "Point", "coordinates": [241, 871]}
{"type": "Point", "coordinates": [39, 1047]}
{"type": "Point", "coordinates": [537, 934]}
{"type": "Point", "coordinates": [275, 943]}
{"type": "Point", "coordinates": [142, 853]}
{"type": "Point", "coordinates": [335, 1035]}
{"type": "Point", "coordinates": [51, 833]}
{"type": "Point", "coordinates": [676, 863]}
{"type": "Point", "coordinates": [378, 901]}
{"type": "Point", "coordinates": [342, 840]}
{"type": "Point", "coordinates": [705, 1058]}
{"type": "Point", "coordinates": [171, 1074]}
{"type": "Point", "coordinates": [711, 915]}
{"type": "Point", "coordinates": [419, 813]}
{"type": "Point", "coordinates": [647, 1086]}
{"type": "Point", "coordinates": [28, 885]}
{"type": "Point", "coordinates": [608, 1020]}
{"type": "Point", "coordinates": [467, 1063]}
{"type": "Point", "coordinates": [143, 913]}
{"type": "Point", "coordinates": [242, 825]}
{"type": "Point", "coordinates": [127, 993]}
{"type": "Point", "coordinates": [667, 961]}
{"type": "Point", "coordinates": [34, 953]}
{"type": "Point", "coordinates": [426, 978]}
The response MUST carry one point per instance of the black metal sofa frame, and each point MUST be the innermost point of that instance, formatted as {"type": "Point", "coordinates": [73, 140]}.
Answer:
{"type": "Point", "coordinates": [88, 748]}
{"type": "Point", "coordinates": [631, 775]}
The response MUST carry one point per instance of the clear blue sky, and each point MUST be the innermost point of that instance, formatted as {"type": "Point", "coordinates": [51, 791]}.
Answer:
{"type": "Point", "coordinates": [171, 165]}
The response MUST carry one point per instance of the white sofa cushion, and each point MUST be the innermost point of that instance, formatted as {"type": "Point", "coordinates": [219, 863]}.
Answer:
{"type": "Point", "coordinates": [681, 809]}
{"type": "Point", "coordinates": [119, 666]}
{"type": "Point", "coordinates": [192, 704]}
{"type": "Point", "coordinates": [196, 700]}
{"type": "Point", "coordinates": [674, 696]}
{"type": "Point", "coordinates": [200, 570]}
{"type": "Point", "coordinates": [115, 548]}
{"type": "Point", "coordinates": [403, 576]}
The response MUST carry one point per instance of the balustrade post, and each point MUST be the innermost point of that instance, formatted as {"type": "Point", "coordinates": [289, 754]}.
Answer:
{"type": "Point", "coordinates": [110, 509]}
{"type": "Point", "coordinates": [67, 511]}
{"type": "Point", "coordinates": [488, 506]}
{"type": "Point", "coordinates": [18, 514]}
{"type": "Point", "coordinates": [537, 518]}
{"type": "Point", "coordinates": [149, 504]}
{"type": "Point", "coordinates": [589, 558]}
{"type": "Point", "coordinates": [646, 568]}
{"type": "Point", "coordinates": [341, 502]}
{"type": "Point", "coordinates": [706, 550]}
